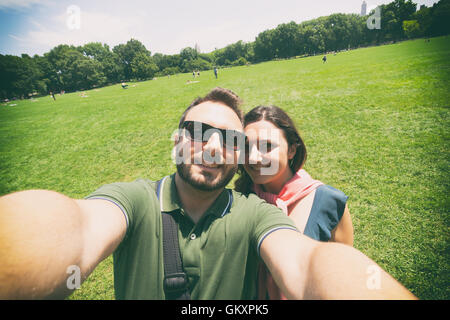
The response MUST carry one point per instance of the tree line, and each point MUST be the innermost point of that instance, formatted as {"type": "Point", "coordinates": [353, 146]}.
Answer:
{"type": "Point", "coordinates": [72, 68]}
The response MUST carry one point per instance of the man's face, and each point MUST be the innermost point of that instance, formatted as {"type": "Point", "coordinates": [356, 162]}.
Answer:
{"type": "Point", "coordinates": [209, 164]}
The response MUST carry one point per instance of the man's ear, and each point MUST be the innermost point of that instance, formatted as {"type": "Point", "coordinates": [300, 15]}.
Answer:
{"type": "Point", "coordinates": [177, 150]}
{"type": "Point", "coordinates": [176, 138]}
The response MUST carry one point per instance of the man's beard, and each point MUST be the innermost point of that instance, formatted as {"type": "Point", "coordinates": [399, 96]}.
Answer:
{"type": "Point", "coordinates": [208, 184]}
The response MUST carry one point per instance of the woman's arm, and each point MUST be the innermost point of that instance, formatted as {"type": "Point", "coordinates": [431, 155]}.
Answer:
{"type": "Point", "coordinates": [343, 233]}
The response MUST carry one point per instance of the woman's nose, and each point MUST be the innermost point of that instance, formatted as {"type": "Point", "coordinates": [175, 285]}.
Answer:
{"type": "Point", "coordinates": [254, 156]}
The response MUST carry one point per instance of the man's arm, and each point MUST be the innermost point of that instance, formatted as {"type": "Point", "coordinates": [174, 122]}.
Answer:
{"type": "Point", "coordinates": [42, 233]}
{"type": "Point", "coordinates": [307, 269]}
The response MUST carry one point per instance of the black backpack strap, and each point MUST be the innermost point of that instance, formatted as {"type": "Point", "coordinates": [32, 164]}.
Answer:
{"type": "Point", "coordinates": [176, 285]}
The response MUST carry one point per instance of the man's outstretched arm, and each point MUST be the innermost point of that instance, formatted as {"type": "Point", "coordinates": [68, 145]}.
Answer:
{"type": "Point", "coordinates": [307, 269]}
{"type": "Point", "coordinates": [43, 233]}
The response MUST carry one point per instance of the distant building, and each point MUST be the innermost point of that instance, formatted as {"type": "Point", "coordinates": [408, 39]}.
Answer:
{"type": "Point", "coordinates": [363, 9]}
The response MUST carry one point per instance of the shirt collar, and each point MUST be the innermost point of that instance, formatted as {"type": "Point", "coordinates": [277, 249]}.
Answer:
{"type": "Point", "coordinates": [170, 201]}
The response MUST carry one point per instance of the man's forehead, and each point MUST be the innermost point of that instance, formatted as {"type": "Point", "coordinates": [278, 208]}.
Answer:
{"type": "Point", "coordinates": [215, 114]}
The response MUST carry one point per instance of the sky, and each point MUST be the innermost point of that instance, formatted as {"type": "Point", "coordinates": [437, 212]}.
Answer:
{"type": "Point", "coordinates": [36, 26]}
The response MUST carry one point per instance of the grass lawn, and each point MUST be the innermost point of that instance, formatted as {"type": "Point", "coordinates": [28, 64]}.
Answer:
{"type": "Point", "coordinates": [375, 122]}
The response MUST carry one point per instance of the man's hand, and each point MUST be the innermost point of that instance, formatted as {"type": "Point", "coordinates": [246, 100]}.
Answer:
{"type": "Point", "coordinates": [307, 269]}
{"type": "Point", "coordinates": [43, 233]}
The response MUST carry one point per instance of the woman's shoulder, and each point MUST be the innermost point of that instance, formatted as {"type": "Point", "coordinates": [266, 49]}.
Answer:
{"type": "Point", "coordinates": [328, 191]}
{"type": "Point", "coordinates": [326, 212]}
{"type": "Point", "coordinates": [329, 200]}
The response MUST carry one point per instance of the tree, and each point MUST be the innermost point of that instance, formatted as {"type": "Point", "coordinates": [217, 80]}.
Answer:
{"type": "Point", "coordinates": [392, 17]}
{"type": "Point", "coordinates": [143, 66]}
{"type": "Point", "coordinates": [86, 74]}
{"type": "Point", "coordinates": [239, 62]}
{"type": "Point", "coordinates": [411, 28]}
{"type": "Point", "coordinates": [440, 24]}
{"type": "Point", "coordinates": [67, 68]}
{"type": "Point", "coordinates": [285, 40]}
{"type": "Point", "coordinates": [188, 54]}
{"type": "Point", "coordinates": [169, 71]}
{"type": "Point", "coordinates": [263, 47]}
{"type": "Point", "coordinates": [192, 60]}
{"type": "Point", "coordinates": [17, 76]}
{"type": "Point", "coordinates": [127, 52]}
{"type": "Point", "coordinates": [110, 61]}
{"type": "Point", "coordinates": [424, 19]}
{"type": "Point", "coordinates": [197, 64]}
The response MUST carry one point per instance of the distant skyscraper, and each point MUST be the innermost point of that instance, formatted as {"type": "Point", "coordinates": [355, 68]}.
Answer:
{"type": "Point", "coordinates": [363, 9]}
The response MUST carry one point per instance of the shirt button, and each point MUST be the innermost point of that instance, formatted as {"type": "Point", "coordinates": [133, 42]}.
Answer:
{"type": "Point", "coordinates": [193, 236]}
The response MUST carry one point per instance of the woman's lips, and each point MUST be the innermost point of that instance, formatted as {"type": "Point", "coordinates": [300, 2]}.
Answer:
{"type": "Point", "coordinates": [257, 167]}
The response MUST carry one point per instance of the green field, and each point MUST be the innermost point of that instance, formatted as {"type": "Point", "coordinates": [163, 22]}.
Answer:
{"type": "Point", "coordinates": [375, 122]}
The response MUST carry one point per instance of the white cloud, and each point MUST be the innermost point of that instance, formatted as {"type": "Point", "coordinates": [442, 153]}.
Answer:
{"type": "Point", "coordinates": [20, 4]}
{"type": "Point", "coordinates": [15, 37]}
{"type": "Point", "coordinates": [94, 27]}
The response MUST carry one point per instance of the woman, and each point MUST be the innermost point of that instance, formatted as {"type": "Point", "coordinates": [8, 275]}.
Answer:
{"type": "Point", "coordinates": [275, 156]}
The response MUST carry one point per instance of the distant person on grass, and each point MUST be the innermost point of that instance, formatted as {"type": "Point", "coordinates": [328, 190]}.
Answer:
{"type": "Point", "coordinates": [319, 211]}
{"type": "Point", "coordinates": [223, 234]}
{"type": "Point", "coordinates": [324, 59]}
{"type": "Point", "coordinates": [215, 71]}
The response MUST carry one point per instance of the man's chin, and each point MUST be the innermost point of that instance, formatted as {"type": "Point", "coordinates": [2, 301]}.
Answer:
{"type": "Point", "coordinates": [205, 177]}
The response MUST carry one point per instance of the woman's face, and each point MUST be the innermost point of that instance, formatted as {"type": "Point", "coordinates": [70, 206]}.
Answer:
{"type": "Point", "coordinates": [267, 153]}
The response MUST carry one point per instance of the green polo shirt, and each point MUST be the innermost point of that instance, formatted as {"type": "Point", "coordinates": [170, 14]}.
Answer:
{"type": "Point", "coordinates": [220, 253]}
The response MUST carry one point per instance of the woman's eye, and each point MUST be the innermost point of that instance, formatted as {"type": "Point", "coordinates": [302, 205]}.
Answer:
{"type": "Point", "coordinates": [249, 145]}
{"type": "Point", "coordinates": [265, 146]}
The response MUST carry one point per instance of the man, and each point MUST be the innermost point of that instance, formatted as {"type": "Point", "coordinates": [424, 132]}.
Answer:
{"type": "Point", "coordinates": [222, 233]}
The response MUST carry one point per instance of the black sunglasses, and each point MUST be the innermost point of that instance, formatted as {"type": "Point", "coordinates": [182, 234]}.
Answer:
{"type": "Point", "coordinates": [202, 132]}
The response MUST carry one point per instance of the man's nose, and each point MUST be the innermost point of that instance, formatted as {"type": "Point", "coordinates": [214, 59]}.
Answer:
{"type": "Point", "coordinates": [213, 147]}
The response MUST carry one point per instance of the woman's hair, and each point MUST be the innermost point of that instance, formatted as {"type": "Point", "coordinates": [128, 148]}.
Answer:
{"type": "Point", "coordinates": [281, 120]}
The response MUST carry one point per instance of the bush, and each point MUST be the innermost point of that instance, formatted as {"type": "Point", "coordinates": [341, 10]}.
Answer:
{"type": "Point", "coordinates": [411, 28]}
{"type": "Point", "coordinates": [239, 62]}
{"type": "Point", "coordinates": [197, 64]}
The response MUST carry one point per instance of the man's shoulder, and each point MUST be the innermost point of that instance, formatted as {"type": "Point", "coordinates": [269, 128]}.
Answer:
{"type": "Point", "coordinates": [250, 198]}
{"type": "Point", "coordinates": [135, 189]}
{"type": "Point", "coordinates": [251, 202]}
{"type": "Point", "coordinates": [137, 200]}
{"type": "Point", "coordinates": [138, 183]}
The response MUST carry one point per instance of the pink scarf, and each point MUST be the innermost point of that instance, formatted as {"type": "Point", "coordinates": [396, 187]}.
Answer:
{"type": "Point", "coordinates": [298, 187]}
